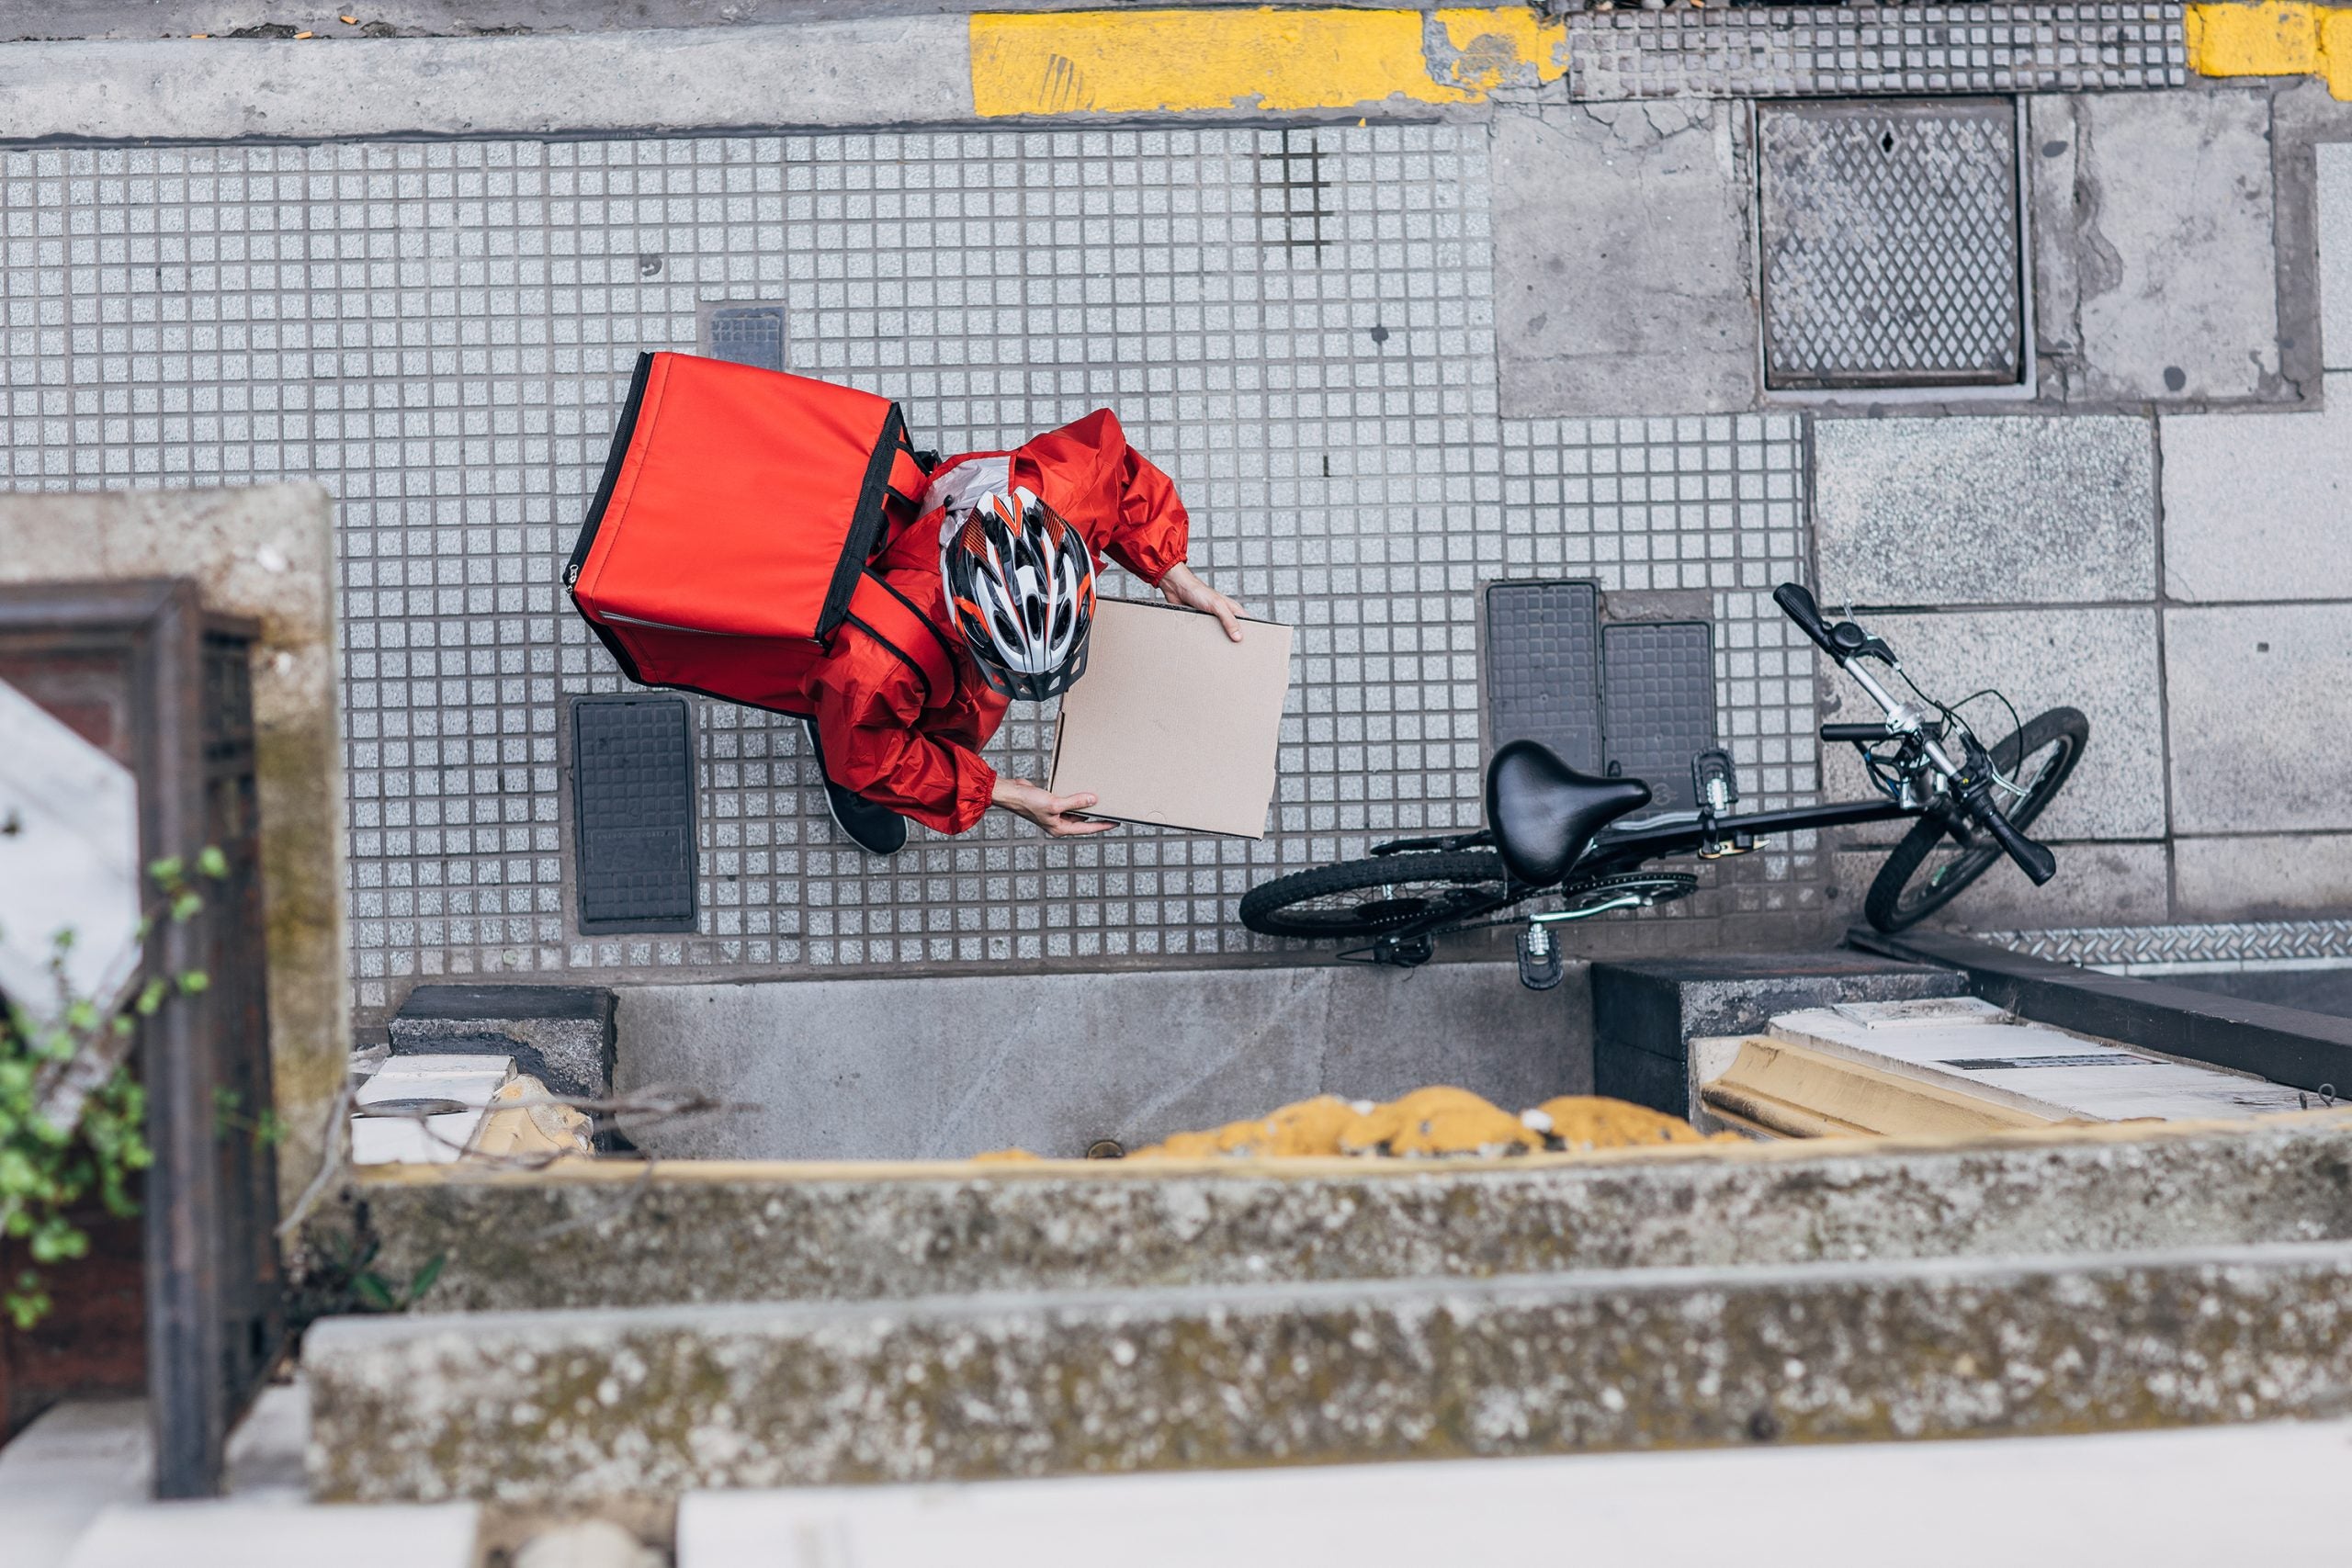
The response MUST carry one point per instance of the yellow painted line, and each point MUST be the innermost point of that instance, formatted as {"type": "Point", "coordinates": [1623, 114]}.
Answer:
{"type": "Point", "coordinates": [1174, 61]}
{"type": "Point", "coordinates": [2274, 37]}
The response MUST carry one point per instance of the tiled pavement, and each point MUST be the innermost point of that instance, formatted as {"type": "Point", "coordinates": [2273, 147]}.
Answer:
{"type": "Point", "coordinates": [1297, 325]}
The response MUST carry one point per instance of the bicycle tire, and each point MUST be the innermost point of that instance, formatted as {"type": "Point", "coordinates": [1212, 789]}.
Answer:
{"type": "Point", "coordinates": [1271, 908]}
{"type": "Point", "coordinates": [1888, 910]}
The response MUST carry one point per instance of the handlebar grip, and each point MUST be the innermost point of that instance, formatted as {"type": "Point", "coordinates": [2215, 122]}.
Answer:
{"type": "Point", "coordinates": [2038, 864]}
{"type": "Point", "coordinates": [1797, 604]}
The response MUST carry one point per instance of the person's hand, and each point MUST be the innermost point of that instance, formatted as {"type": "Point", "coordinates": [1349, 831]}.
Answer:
{"type": "Point", "coordinates": [1183, 586]}
{"type": "Point", "coordinates": [1051, 812]}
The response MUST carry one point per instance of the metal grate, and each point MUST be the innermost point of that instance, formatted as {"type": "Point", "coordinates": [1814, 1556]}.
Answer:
{"type": "Point", "coordinates": [745, 334]}
{"type": "Point", "coordinates": [1544, 667]}
{"type": "Point", "coordinates": [633, 798]}
{"type": "Point", "coordinates": [1890, 244]}
{"type": "Point", "coordinates": [1658, 704]}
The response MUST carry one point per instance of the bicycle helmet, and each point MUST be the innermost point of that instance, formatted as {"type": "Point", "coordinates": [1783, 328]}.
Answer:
{"type": "Point", "coordinates": [1020, 585]}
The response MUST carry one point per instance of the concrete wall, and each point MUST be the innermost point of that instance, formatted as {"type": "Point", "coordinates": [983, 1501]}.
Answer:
{"type": "Point", "coordinates": [945, 1067]}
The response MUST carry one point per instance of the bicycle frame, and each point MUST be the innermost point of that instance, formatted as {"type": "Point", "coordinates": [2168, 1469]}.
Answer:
{"type": "Point", "coordinates": [1618, 850]}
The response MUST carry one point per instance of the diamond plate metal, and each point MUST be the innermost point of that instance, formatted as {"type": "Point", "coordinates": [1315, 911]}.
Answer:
{"type": "Point", "coordinates": [1544, 667]}
{"type": "Point", "coordinates": [1890, 244]}
{"type": "Point", "coordinates": [1657, 704]}
{"type": "Point", "coordinates": [2184, 948]}
{"type": "Point", "coordinates": [633, 804]}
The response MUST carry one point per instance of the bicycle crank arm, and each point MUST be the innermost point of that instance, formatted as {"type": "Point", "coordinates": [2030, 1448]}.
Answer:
{"type": "Point", "coordinates": [1608, 906]}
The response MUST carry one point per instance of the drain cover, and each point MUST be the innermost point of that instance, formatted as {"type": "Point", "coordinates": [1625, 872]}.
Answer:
{"type": "Point", "coordinates": [745, 334]}
{"type": "Point", "coordinates": [633, 813]}
{"type": "Point", "coordinates": [1544, 667]}
{"type": "Point", "coordinates": [1890, 244]}
{"type": "Point", "coordinates": [1658, 704]}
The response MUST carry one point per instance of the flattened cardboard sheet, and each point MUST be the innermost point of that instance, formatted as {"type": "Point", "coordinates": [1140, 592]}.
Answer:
{"type": "Point", "coordinates": [1172, 725]}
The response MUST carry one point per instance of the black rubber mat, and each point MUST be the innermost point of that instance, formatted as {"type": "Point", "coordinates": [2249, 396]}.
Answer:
{"type": "Point", "coordinates": [747, 335]}
{"type": "Point", "coordinates": [633, 813]}
{"type": "Point", "coordinates": [1658, 703]}
{"type": "Point", "coordinates": [1544, 667]}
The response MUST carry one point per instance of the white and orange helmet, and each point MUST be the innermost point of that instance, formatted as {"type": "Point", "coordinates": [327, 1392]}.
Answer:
{"type": "Point", "coordinates": [1021, 590]}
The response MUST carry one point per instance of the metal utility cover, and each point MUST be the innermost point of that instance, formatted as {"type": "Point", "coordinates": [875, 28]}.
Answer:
{"type": "Point", "coordinates": [1658, 704]}
{"type": "Point", "coordinates": [1890, 244]}
{"type": "Point", "coordinates": [744, 334]}
{"type": "Point", "coordinates": [633, 813]}
{"type": "Point", "coordinates": [1544, 667]}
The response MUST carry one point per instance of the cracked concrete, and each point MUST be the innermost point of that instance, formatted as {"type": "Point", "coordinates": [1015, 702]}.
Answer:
{"type": "Point", "coordinates": [2164, 204]}
{"type": "Point", "coordinates": [1624, 266]}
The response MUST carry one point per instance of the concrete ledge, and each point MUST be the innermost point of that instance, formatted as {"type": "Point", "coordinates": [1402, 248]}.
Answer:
{"type": "Point", "coordinates": [893, 70]}
{"type": "Point", "coordinates": [663, 1400]}
{"type": "Point", "coordinates": [617, 1236]}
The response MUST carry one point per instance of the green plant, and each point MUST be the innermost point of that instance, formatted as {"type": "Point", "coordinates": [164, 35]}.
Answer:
{"type": "Point", "coordinates": [52, 1165]}
{"type": "Point", "coordinates": [343, 1277]}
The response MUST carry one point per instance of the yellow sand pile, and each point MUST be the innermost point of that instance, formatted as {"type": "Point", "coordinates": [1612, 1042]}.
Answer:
{"type": "Point", "coordinates": [1428, 1123]}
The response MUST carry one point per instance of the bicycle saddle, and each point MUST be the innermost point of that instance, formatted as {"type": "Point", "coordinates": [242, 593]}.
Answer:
{"type": "Point", "coordinates": [1543, 812]}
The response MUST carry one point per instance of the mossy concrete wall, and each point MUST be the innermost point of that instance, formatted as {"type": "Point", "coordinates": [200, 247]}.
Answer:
{"type": "Point", "coordinates": [588, 1404]}
{"type": "Point", "coordinates": [622, 1234]}
{"type": "Point", "coordinates": [265, 552]}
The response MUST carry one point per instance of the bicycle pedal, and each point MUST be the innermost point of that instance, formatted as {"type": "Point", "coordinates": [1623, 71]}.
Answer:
{"type": "Point", "coordinates": [1540, 968]}
{"type": "Point", "coordinates": [1713, 786]}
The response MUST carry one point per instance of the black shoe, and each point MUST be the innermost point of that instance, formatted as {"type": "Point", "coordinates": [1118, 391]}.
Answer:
{"type": "Point", "coordinates": [876, 829]}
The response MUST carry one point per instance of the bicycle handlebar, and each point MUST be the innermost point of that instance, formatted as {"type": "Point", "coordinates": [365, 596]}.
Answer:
{"type": "Point", "coordinates": [1972, 783]}
{"type": "Point", "coordinates": [1797, 604]}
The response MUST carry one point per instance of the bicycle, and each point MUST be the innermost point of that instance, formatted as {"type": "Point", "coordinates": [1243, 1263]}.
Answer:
{"type": "Point", "coordinates": [1551, 828]}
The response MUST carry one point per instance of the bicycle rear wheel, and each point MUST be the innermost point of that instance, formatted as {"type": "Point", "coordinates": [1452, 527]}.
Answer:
{"type": "Point", "coordinates": [1372, 898]}
{"type": "Point", "coordinates": [1930, 868]}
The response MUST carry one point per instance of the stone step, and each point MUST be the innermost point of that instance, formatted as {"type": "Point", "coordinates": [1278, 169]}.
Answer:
{"type": "Point", "coordinates": [656, 1401]}
{"type": "Point", "coordinates": [622, 1234]}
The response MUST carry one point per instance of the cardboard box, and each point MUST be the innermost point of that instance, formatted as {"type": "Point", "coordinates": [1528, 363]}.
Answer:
{"type": "Point", "coordinates": [1172, 724]}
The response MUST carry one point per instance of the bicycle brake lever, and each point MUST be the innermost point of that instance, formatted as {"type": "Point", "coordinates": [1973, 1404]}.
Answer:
{"type": "Point", "coordinates": [1855, 643]}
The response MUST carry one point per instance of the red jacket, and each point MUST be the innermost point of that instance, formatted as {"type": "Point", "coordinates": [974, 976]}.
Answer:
{"type": "Point", "coordinates": [880, 741]}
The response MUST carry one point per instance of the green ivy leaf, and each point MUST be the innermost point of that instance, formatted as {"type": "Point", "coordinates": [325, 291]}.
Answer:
{"type": "Point", "coordinates": [186, 907]}
{"type": "Point", "coordinates": [425, 1276]}
{"type": "Point", "coordinates": [168, 870]}
{"type": "Point", "coordinates": [195, 982]}
{"type": "Point", "coordinates": [211, 863]}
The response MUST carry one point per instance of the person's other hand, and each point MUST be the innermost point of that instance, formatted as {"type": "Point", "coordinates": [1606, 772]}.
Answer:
{"type": "Point", "coordinates": [1051, 812]}
{"type": "Point", "coordinates": [1183, 586]}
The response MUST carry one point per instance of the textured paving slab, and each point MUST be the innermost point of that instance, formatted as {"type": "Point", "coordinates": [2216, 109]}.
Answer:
{"type": "Point", "coordinates": [2260, 507]}
{"type": "Point", "coordinates": [2098, 883]}
{"type": "Point", "coordinates": [2248, 694]}
{"type": "Point", "coordinates": [610, 1236]}
{"type": "Point", "coordinates": [1624, 273]}
{"type": "Point", "coordinates": [1984, 511]}
{"type": "Point", "coordinates": [2173, 224]}
{"type": "Point", "coordinates": [2335, 254]}
{"type": "Point", "coordinates": [2102, 662]}
{"type": "Point", "coordinates": [2257, 875]}
{"type": "Point", "coordinates": [2155, 1499]}
{"type": "Point", "coordinates": [945, 1067]}
{"type": "Point", "coordinates": [668, 1399]}
{"type": "Point", "coordinates": [1805, 51]}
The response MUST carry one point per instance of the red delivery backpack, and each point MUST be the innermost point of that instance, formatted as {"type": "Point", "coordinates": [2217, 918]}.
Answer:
{"type": "Point", "coordinates": [729, 539]}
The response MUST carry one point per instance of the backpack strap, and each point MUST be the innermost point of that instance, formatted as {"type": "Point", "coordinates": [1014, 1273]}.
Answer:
{"type": "Point", "coordinates": [890, 618]}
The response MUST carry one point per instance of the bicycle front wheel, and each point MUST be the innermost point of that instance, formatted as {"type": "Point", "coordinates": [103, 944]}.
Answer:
{"type": "Point", "coordinates": [1930, 868]}
{"type": "Point", "coordinates": [1362, 898]}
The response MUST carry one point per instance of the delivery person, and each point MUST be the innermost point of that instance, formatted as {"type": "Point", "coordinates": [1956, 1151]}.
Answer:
{"type": "Point", "coordinates": [1001, 562]}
